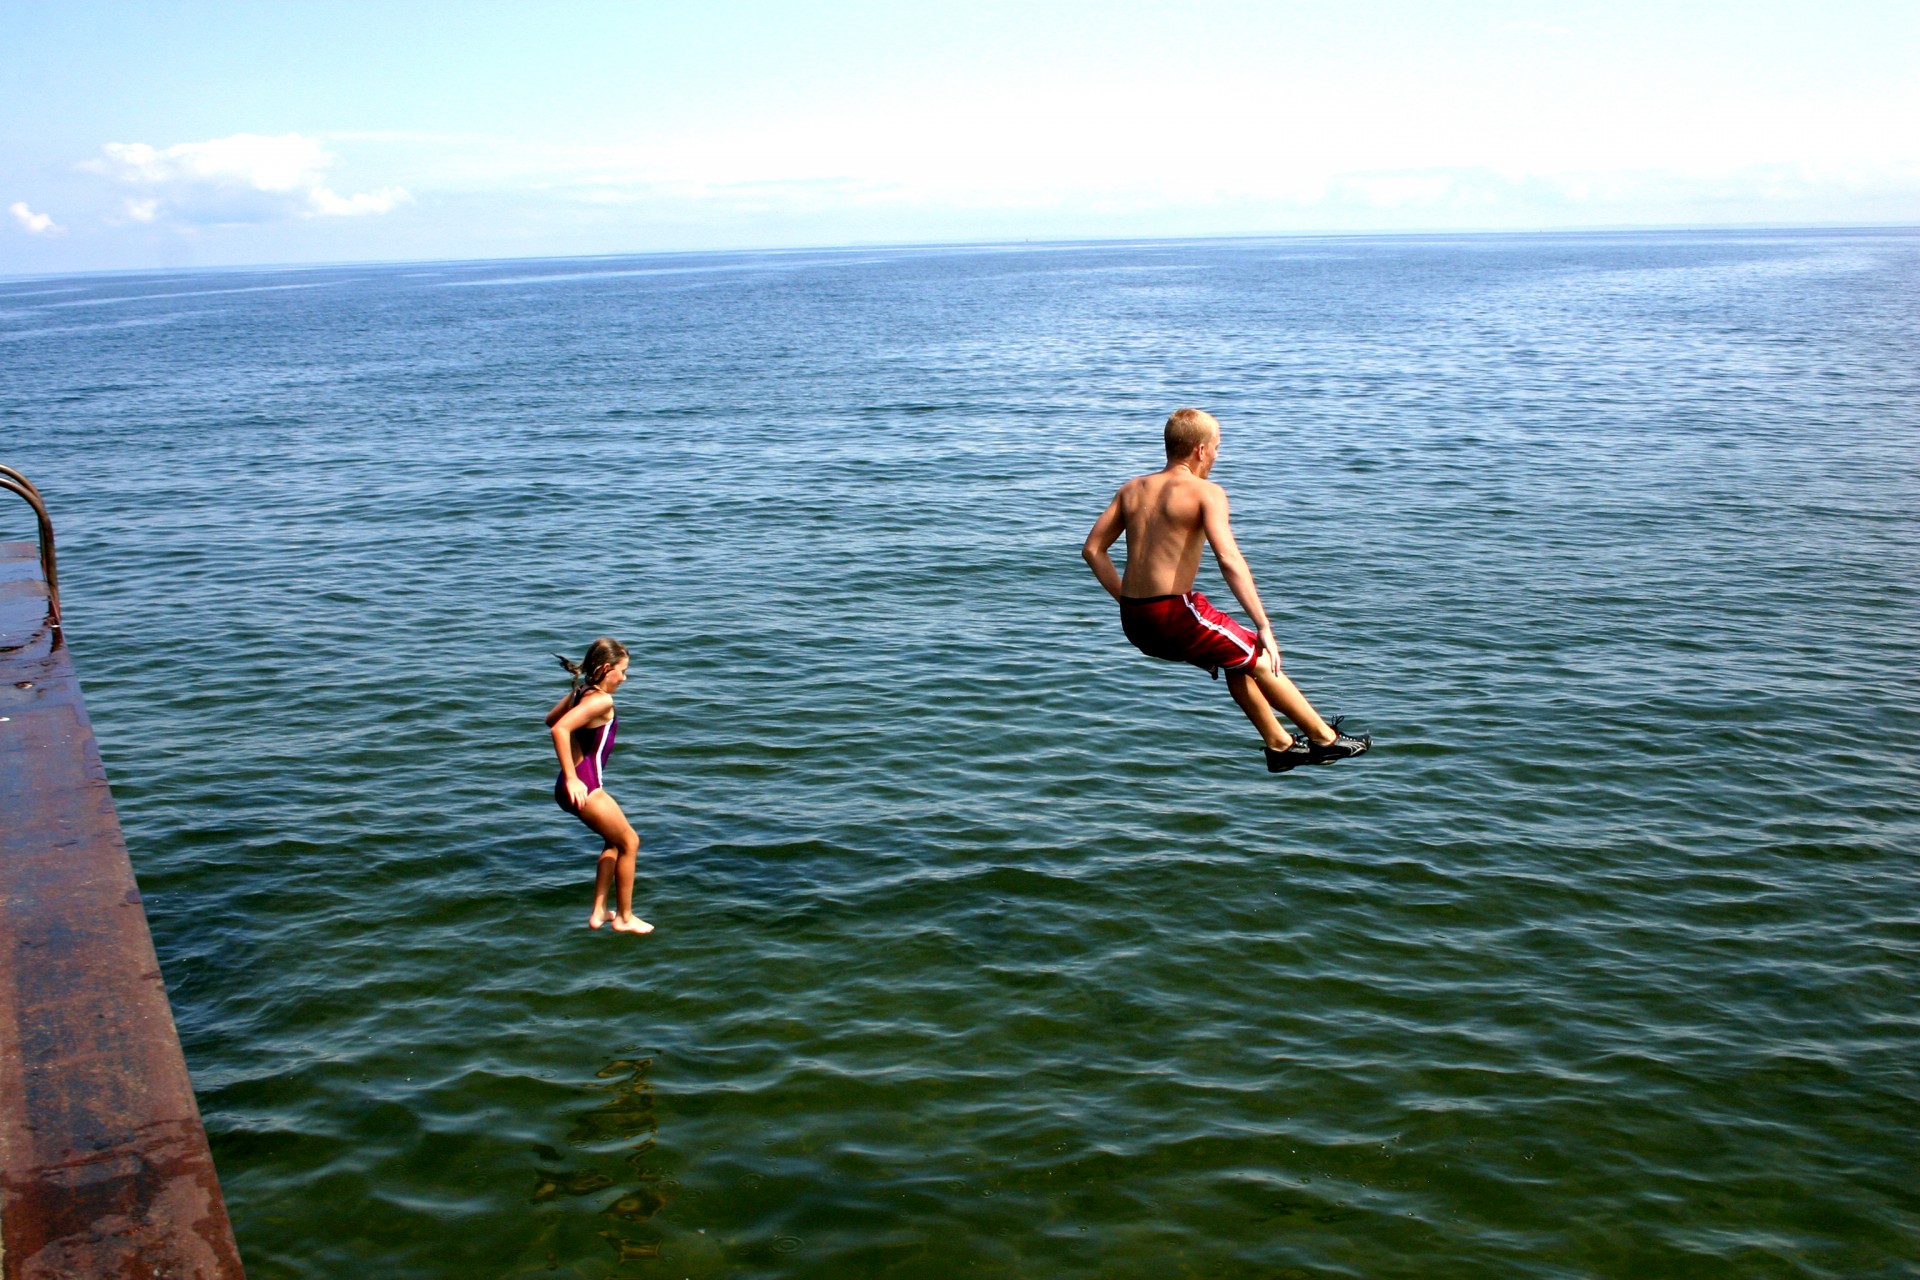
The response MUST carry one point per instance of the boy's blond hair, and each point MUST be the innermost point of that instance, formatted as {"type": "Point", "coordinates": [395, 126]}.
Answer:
{"type": "Point", "coordinates": [1187, 430]}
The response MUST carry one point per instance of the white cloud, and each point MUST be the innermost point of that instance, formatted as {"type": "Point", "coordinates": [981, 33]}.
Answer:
{"type": "Point", "coordinates": [1331, 153]}
{"type": "Point", "coordinates": [34, 223]}
{"type": "Point", "coordinates": [247, 177]}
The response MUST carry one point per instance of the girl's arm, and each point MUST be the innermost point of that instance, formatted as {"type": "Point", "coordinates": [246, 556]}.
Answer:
{"type": "Point", "coordinates": [562, 722]}
{"type": "Point", "coordinates": [559, 708]}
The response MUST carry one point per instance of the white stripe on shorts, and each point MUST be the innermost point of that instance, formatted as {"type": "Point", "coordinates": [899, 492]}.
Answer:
{"type": "Point", "coordinates": [1214, 627]}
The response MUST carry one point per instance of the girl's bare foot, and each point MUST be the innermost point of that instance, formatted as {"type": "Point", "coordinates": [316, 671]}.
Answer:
{"type": "Point", "coordinates": [598, 918]}
{"type": "Point", "coordinates": [631, 924]}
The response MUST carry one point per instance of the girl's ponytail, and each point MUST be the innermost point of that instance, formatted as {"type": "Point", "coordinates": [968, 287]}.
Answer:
{"type": "Point", "coordinates": [601, 654]}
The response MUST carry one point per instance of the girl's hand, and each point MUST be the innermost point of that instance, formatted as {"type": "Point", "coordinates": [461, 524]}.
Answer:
{"type": "Point", "coordinates": [576, 792]}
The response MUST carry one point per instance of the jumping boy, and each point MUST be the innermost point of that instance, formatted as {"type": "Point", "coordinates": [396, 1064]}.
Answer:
{"type": "Point", "coordinates": [1166, 516]}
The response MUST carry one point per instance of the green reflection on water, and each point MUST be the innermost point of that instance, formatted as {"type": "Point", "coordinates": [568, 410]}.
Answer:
{"type": "Point", "coordinates": [628, 1115]}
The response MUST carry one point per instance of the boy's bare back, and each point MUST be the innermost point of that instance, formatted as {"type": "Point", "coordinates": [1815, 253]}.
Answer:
{"type": "Point", "coordinates": [1165, 517]}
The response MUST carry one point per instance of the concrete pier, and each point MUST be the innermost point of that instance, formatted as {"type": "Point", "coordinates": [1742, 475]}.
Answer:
{"type": "Point", "coordinates": [104, 1168]}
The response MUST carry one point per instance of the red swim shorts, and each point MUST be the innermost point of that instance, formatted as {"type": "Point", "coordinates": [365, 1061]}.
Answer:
{"type": "Point", "coordinates": [1186, 628]}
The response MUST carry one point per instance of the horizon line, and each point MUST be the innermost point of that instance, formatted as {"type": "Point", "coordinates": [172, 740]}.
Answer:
{"type": "Point", "coordinates": [1595, 229]}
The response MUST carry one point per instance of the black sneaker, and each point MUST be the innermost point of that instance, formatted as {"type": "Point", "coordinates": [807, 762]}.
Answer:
{"type": "Point", "coordinates": [1298, 752]}
{"type": "Point", "coordinates": [1345, 746]}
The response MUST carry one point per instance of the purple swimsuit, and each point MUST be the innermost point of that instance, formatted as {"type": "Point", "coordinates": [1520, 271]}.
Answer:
{"type": "Point", "coordinates": [594, 746]}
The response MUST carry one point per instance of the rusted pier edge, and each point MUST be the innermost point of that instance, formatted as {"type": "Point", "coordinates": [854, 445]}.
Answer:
{"type": "Point", "coordinates": [104, 1167]}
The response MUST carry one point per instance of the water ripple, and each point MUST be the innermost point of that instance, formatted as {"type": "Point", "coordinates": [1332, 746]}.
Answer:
{"type": "Point", "coordinates": [985, 945]}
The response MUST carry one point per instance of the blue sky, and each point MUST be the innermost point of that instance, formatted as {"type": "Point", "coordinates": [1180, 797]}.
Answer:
{"type": "Point", "coordinates": [172, 134]}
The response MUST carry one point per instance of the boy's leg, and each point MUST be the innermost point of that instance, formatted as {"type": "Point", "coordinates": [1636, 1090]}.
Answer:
{"type": "Point", "coordinates": [1279, 691]}
{"type": "Point", "coordinates": [1258, 710]}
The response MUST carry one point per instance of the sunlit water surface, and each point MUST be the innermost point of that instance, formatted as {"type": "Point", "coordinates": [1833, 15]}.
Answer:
{"type": "Point", "coordinates": [986, 946]}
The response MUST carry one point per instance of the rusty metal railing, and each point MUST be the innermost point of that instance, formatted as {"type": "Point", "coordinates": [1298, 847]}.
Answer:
{"type": "Point", "coordinates": [14, 482]}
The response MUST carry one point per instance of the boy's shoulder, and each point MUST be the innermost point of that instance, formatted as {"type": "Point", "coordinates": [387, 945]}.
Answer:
{"type": "Point", "coordinates": [1202, 486]}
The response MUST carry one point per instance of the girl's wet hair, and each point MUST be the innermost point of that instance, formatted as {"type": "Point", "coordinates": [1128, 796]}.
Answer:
{"type": "Point", "coordinates": [601, 654]}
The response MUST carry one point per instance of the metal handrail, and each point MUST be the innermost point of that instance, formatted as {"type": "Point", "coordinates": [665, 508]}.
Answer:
{"type": "Point", "coordinates": [14, 482]}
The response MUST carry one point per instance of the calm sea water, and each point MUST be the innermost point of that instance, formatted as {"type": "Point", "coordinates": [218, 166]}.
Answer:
{"type": "Point", "coordinates": [985, 945]}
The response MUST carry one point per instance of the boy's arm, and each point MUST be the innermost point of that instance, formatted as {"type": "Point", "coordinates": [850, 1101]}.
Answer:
{"type": "Point", "coordinates": [1216, 520]}
{"type": "Point", "coordinates": [1106, 529]}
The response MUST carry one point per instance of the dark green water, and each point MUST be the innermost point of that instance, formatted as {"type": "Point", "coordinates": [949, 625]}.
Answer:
{"type": "Point", "coordinates": [986, 946]}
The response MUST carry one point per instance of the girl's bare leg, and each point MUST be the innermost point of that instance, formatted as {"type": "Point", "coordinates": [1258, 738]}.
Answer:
{"type": "Point", "coordinates": [627, 858]}
{"type": "Point", "coordinates": [602, 880]}
{"type": "Point", "coordinates": [603, 815]}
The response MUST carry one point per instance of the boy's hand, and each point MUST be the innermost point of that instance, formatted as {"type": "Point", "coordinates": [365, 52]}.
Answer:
{"type": "Point", "coordinates": [1271, 645]}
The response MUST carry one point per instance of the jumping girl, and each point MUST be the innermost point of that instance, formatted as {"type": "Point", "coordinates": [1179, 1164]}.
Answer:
{"type": "Point", "coordinates": [584, 725]}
